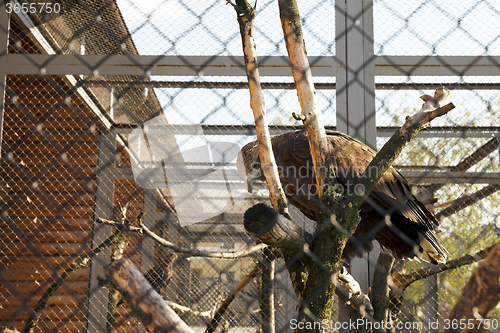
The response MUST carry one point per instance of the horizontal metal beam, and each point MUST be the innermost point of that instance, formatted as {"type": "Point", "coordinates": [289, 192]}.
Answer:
{"type": "Point", "coordinates": [437, 66]}
{"type": "Point", "coordinates": [249, 130]}
{"type": "Point", "coordinates": [281, 85]}
{"type": "Point", "coordinates": [57, 64]}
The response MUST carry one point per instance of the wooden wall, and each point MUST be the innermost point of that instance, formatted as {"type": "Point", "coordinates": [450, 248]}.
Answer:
{"type": "Point", "coordinates": [47, 195]}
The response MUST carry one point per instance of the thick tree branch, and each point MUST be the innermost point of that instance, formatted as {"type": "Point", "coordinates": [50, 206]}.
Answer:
{"type": "Point", "coordinates": [302, 76]}
{"type": "Point", "coordinates": [480, 296]}
{"type": "Point", "coordinates": [246, 14]}
{"type": "Point", "coordinates": [432, 108]}
{"type": "Point", "coordinates": [271, 228]}
{"type": "Point", "coordinates": [149, 307]}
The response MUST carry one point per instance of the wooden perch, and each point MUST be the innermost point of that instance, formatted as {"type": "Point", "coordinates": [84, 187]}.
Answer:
{"type": "Point", "coordinates": [480, 296]}
{"type": "Point", "coordinates": [271, 228]}
{"type": "Point", "coordinates": [302, 76]}
{"type": "Point", "coordinates": [246, 14]}
{"type": "Point", "coordinates": [149, 307]}
{"type": "Point", "coordinates": [189, 251]}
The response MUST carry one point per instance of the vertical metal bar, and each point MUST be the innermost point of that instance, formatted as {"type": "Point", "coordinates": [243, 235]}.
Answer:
{"type": "Point", "coordinates": [369, 74]}
{"type": "Point", "coordinates": [431, 306]}
{"type": "Point", "coordinates": [286, 300]}
{"type": "Point", "coordinates": [355, 89]}
{"type": "Point", "coordinates": [341, 98]}
{"type": "Point", "coordinates": [4, 48]}
{"type": "Point", "coordinates": [341, 58]}
{"type": "Point", "coordinates": [355, 70]}
{"type": "Point", "coordinates": [98, 297]}
{"type": "Point", "coordinates": [148, 244]}
{"type": "Point", "coordinates": [267, 293]}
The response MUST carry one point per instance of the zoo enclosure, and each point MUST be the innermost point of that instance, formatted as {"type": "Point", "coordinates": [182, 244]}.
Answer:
{"type": "Point", "coordinates": [62, 154]}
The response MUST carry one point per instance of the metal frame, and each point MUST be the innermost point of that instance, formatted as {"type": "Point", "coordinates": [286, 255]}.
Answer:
{"type": "Point", "coordinates": [321, 66]}
{"type": "Point", "coordinates": [354, 66]}
{"type": "Point", "coordinates": [98, 297]}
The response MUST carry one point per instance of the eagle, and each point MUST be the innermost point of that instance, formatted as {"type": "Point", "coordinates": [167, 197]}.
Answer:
{"type": "Point", "coordinates": [410, 230]}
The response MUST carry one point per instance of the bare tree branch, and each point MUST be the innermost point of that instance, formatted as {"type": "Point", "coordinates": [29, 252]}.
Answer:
{"type": "Point", "coordinates": [403, 281]}
{"type": "Point", "coordinates": [480, 296]}
{"type": "Point", "coordinates": [246, 14]}
{"type": "Point", "coordinates": [181, 308]}
{"type": "Point", "coordinates": [199, 253]}
{"type": "Point", "coordinates": [212, 326]}
{"type": "Point", "coordinates": [149, 307]}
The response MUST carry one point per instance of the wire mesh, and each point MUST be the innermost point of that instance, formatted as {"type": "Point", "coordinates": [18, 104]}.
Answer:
{"type": "Point", "coordinates": [75, 147]}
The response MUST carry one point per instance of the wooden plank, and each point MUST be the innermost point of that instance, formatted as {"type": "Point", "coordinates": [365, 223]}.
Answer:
{"type": "Point", "coordinates": [42, 249]}
{"type": "Point", "coordinates": [41, 275]}
{"type": "Point", "coordinates": [48, 110]}
{"type": "Point", "coordinates": [61, 136]}
{"type": "Point", "coordinates": [48, 148]}
{"type": "Point", "coordinates": [70, 326]}
{"type": "Point", "coordinates": [53, 313]}
{"type": "Point", "coordinates": [53, 173]}
{"type": "Point", "coordinates": [66, 123]}
{"type": "Point", "coordinates": [46, 184]}
{"type": "Point", "coordinates": [98, 297]}
{"type": "Point", "coordinates": [77, 160]}
{"type": "Point", "coordinates": [57, 198]}
{"type": "Point", "coordinates": [55, 224]}
{"type": "Point", "coordinates": [39, 236]}
{"type": "Point", "coordinates": [33, 211]}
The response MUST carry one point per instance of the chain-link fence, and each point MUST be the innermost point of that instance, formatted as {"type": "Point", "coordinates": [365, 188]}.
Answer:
{"type": "Point", "coordinates": [118, 107]}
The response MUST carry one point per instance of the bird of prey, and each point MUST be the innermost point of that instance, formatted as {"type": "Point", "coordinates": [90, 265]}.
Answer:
{"type": "Point", "coordinates": [410, 231]}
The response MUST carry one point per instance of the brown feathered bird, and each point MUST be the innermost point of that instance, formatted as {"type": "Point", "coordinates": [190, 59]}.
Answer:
{"type": "Point", "coordinates": [411, 229]}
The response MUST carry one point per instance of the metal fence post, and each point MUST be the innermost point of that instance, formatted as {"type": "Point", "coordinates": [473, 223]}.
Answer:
{"type": "Point", "coordinates": [4, 50]}
{"type": "Point", "coordinates": [355, 88]}
{"type": "Point", "coordinates": [98, 297]}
